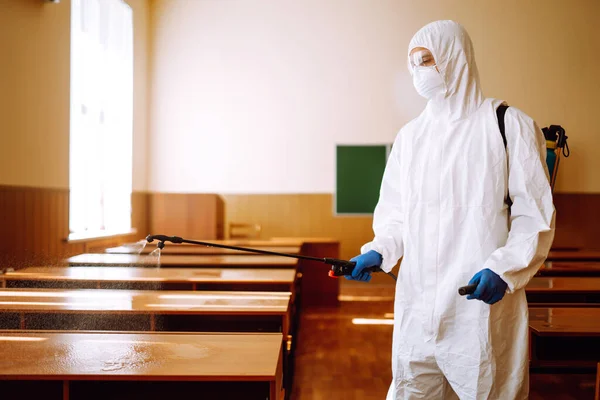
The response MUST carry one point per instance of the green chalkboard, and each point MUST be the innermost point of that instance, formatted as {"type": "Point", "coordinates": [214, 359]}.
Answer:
{"type": "Point", "coordinates": [359, 170]}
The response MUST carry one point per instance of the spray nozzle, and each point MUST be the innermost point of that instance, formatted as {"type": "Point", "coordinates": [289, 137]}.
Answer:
{"type": "Point", "coordinates": [162, 239]}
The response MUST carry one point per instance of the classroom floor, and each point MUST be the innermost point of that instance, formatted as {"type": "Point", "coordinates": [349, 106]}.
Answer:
{"type": "Point", "coordinates": [340, 360]}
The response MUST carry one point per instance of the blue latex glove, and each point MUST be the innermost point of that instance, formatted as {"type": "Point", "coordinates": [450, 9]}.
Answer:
{"type": "Point", "coordinates": [490, 287]}
{"type": "Point", "coordinates": [364, 261]}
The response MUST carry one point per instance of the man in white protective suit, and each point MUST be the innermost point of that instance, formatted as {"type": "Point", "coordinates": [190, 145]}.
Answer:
{"type": "Point", "coordinates": [443, 210]}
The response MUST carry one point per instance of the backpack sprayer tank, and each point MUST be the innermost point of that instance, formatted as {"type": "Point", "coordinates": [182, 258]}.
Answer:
{"type": "Point", "coordinates": [556, 142]}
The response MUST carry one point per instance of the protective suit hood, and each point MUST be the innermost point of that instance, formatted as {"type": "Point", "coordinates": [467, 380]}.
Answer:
{"type": "Point", "coordinates": [452, 49]}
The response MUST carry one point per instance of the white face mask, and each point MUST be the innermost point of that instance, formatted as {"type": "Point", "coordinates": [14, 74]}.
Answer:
{"type": "Point", "coordinates": [428, 81]}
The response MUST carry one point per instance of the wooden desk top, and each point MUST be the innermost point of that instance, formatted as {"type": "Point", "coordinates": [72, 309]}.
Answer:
{"type": "Point", "coordinates": [565, 321]}
{"type": "Point", "coordinates": [140, 274]}
{"type": "Point", "coordinates": [305, 239]}
{"type": "Point", "coordinates": [182, 261]}
{"type": "Point", "coordinates": [276, 242]}
{"type": "Point", "coordinates": [566, 268]}
{"type": "Point", "coordinates": [273, 242]}
{"type": "Point", "coordinates": [572, 265]}
{"type": "Point", "coordinates": [144, 302]}
{"type": "Point", "coordinates": [176, 249]}
{"type": "Point", "coordinates": [576, 255]}
{"type": "Point", "coordinates": [542, 284]}
{"type": "Point", "coordinates": [127, 356]}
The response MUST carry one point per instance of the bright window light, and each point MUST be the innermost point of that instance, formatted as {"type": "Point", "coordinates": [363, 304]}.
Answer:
{"type": "Point", "coordinates": [101, 149]}
{"type": "Point", "coordinates": [21, 339]}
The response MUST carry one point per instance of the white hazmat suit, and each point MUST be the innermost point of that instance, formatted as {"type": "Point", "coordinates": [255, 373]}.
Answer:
{"type": "Point", "coordinates": [442, 210]}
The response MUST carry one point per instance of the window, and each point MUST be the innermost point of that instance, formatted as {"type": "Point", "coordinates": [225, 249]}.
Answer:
{"type": "Point", "coordinates": [101, 153]}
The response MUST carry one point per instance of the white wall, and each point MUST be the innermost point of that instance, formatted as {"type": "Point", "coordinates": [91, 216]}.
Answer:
{"type": "Point", "coordinates": [251, 96]}
{"type": "Point", "coordinates": [34, 93]}
{"type": "Point", "coordinates": [35, 69]}
{"type": "Point", "coordinates": [140, 94]}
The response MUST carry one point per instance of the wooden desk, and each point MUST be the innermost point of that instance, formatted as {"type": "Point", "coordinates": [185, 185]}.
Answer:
{"type": "Point", "coordinates": [564, 337]}
{"type": "Point", "coordinates": [275, 242]}
{"type": "Point", "coordinates": [563, 292]}
{"type": "Point", "coordinates": [576, 255]}
{"type": "Point", "coordinates": [185, 249]}
{"type": "Point", "coordinates": [562, 385]}
{"type": "Point", "coordinates": [570, 268]}
{"type": "Point", "coordinates": [118, 366]}
{"type": "Point", "coordinates": [302, 239]}
{"type": "Point", "coordinates": [139, 278]}
{"type": "Point", "coordinates": [169, 261]}
{"type": "Point", "coordinates": [126, 310]}
{"type": "Point", "coordinates": [172, 311]}
{"type": "Point", "coordinates": [319, 289]}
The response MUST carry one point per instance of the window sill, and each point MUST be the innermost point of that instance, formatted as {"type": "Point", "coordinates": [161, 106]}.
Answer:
{"type": "Point", "coordinates": [98, 235]}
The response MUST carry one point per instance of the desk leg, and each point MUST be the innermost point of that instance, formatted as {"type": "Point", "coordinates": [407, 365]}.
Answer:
{"type": "Point", "coordinates": [276, 386]}
{"type": "Point", "coordinates": [98, 285]}
{"type": "Point", "coordinates": [275, 393]}
{"type": "Point", "coordinates": [287, 362]}
{"type": "Point", "coordinates": [65, 390]}
{"type": "Point", "coordinates": [597, 397]}
{"type": "Point", "coordinates": [532, 350]}
{"type": "Point", "coordinates": [194, 286]}
{"type": "Point", "coordinates": [285, 326]}
{"type": "Point", "coordinates": [3, 283]}
{"type": "Point", "coordinates": [22, 322]}
{"type": "Point", "coordinates": [152, 323]}
{"type": "Point", "coordinates": [317, 288]}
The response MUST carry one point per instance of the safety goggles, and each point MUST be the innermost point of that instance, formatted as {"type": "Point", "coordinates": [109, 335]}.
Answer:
{"type": "Point", "coordinates": [422, 58]}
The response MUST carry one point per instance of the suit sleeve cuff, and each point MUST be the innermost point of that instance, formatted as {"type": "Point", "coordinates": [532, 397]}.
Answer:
{"type": "Point", "coordinates": [390, 251]}
{"type": "Point", "coordinates": [512, 286]}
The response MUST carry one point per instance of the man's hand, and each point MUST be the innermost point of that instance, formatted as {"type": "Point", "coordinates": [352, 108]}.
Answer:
{"type": "Point", "coordinates": [490, 287]}
{"type": "Point", "coordinates": [364, 261]}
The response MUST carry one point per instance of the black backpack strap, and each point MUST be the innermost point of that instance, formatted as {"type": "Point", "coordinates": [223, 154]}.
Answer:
{"type": "Point", "coordinates": [500, 111]}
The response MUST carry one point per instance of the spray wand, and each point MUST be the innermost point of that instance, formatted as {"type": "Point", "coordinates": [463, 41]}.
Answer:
{"type": "Point", "coordinates": [338, 267]}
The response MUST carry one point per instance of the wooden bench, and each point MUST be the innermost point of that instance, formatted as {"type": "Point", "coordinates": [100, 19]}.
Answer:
{"type": "Point", "coordinates": [272, 242]}
{"type": "Point", "coordinates": [564, 337]}
{"type": "Point", "coordinates": [570, 268]}
{"type": "Point", "coordinates": [562, 385]}
{"type": "Point", "coordinates": [99, 309]}
{"type": "Point", "coordinates": [172, 311]}
{"type": "Point", "coordinates": [124, 366]}
{"type": "Point", "coordinates": [139, 278]}
{"type": "Point", "coordinates": [181, 261]}
{"type": "Point", "coordinates": [132, 278]}
{"type": "Point", "coordinates": [185, 249]}
{"type": "Point", "coordinates": [318, 288]}
{"type": "Point", "coordinates": [563, 292]}
{"type": "Point", "coordinates": [573, 255]}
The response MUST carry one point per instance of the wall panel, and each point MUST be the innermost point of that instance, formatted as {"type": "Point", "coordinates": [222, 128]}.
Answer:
{"type": "Point", "coordinates": [34, 221]}
{"type": "Point", "coordinates": [198, 216]}
{"type": "Point", "coordinates": [578, 219]}
{"type": "Point", "coordinates": [34, 225]}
